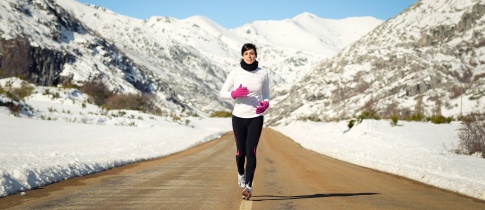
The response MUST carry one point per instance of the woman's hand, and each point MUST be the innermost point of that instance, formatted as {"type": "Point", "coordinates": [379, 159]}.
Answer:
{"type": "Point", "coordinates": [262, 107]}
{"type": "Point", "coordinates": [240, 92]}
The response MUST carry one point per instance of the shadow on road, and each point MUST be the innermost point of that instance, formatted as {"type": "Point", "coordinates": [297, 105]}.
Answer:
{"type": "Point", "coordinates": [282, 197]}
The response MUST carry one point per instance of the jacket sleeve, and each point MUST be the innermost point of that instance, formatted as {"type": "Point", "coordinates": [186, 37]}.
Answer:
{"type": "Point", "coordinates": [226, 89]}
{"type": "Point", "coordinates": [265, 88]}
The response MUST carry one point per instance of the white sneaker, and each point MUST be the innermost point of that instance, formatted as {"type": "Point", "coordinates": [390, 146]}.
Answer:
{"type": "Point", "coordinates": [241, 180]}
{"type": "Point", "coordinates": [246, 193]}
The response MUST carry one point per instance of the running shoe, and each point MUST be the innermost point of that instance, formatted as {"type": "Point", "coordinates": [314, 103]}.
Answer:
{"type": "Point", "coordinates": [241, 180]}
{"type": "Point", "coordinates": [246, 193]}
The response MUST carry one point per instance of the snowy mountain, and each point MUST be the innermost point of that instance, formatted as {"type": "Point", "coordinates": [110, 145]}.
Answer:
{"type": "Point", "coordinates": [182, 62]}
{"type": "Point", "coordinates": [428, 60]}
{"type": "Point", "coordinates": [293, 47]}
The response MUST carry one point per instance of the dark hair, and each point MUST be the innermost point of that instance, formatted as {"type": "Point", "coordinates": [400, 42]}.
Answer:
{"type": "Point", "coordinates": [249, 46]}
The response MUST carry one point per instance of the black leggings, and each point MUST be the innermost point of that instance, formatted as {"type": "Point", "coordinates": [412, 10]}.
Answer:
{"type": "Point", "coordinates": [247, 132]}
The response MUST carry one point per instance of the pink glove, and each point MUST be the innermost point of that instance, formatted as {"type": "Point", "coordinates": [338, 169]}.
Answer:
{"type": "Point", "coordinates": [262, 107]}
{"type": "Point", "coordinates": [240, 92]}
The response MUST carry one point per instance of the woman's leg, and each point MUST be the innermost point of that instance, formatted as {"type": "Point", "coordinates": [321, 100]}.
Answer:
{"type": "Point", "coordinates": [254, 128]}
{"type": "Point", "coordinates": [240, 130]}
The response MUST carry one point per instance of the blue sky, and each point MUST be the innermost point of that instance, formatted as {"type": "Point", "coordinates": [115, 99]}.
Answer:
{"type": "Point", "coordinates": [232, 14]}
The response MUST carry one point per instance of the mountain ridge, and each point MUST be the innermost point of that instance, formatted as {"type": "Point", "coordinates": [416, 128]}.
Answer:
{"type": "Point", "coordinates": [180, 62]}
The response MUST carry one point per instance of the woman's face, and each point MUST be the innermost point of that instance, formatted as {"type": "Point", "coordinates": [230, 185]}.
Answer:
{"type": "Point", "coordinates": [249, 56]}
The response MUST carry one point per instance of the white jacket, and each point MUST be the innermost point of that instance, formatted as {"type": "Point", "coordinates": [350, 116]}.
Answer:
{"type": "Point", "coordinates": [257, 82]}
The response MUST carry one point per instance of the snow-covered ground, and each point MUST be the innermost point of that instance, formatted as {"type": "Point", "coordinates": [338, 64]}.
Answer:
{"type": "Point", "coordinates": [64, 138]}
{"type": "Point", "coordinates": [37, 152]}
{"type": "Point", "coordinates": [416, 150]}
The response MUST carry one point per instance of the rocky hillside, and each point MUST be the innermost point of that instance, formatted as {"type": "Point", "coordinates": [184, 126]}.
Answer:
{"type": "Point", "coordinates": [428, 60]}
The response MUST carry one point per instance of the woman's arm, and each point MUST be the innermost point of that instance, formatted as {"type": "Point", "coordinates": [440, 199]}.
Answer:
{"type": "Point", "coordinates": [226, 89]}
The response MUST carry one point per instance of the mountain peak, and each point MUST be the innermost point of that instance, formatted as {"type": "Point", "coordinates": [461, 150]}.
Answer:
{"type": "Point", "coordinates": [305, 15]}
{"type": "Point", "coordinates": [206, 23]}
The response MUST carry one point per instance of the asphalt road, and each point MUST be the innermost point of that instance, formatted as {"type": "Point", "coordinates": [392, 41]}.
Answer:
{"type": "Point", "coordinates": [205, 177]}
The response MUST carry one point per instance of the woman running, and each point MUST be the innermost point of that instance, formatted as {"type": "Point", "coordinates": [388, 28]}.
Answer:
{"type": "Point", "coordinates": [249, 87]}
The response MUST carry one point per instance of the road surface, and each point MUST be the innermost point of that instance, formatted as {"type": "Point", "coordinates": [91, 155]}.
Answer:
{"type": "Point", "coordinates": [205, 177]}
